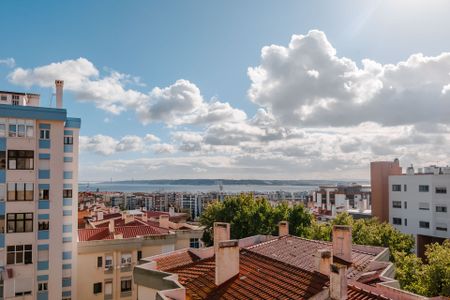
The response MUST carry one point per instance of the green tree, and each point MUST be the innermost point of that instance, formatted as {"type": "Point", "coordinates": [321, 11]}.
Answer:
{"type": "Point", "coordinates": [428, 279]}
{"type": "Point", "coordinates": [249, 216]}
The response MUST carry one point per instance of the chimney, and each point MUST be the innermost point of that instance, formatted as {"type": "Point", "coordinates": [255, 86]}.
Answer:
{"type": "Point", "coordinates": [59, 84]}
{"type": "Point", "coordinates": [338, 282]}
{"type": "Point", "coordinates": [283, 228]}
{"type": "Point", "coordinates": [164, 221]}
{"type": "Point", "coordinates": [171, 211]}
{"type": "Point", "coordinates": [342, 242]}
{"type": "Point", "coordinates": [129, 218]}
{"type": "Point", "coordinates": [99, 216]}
{"type": "Point", "coordinates": [227, 260]}
{"type": "Point", "coordinates": [111, 226]}
{"type": "Point", "coordinates": [144, 217]}
{"type": "Point", "coordinates": [323, 261]}
{"type": "Point", "coordinates": [221, 233]}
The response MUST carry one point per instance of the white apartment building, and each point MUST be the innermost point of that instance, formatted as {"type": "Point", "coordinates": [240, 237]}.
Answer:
{"type": "Point", "coordinates": [38, 198]}
{"type": "Point", "coordinates": [419, 204]}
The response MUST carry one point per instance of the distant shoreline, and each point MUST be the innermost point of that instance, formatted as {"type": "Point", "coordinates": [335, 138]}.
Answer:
{"type": "Point", "coordinates": [234, 182]}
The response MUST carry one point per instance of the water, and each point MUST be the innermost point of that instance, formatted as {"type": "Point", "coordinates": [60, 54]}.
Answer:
{"type": "Point", "coordinates": [118, 187]}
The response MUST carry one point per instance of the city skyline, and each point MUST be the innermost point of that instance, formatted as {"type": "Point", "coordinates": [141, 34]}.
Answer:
{"type": "Point", "coordinates": [215, 91]}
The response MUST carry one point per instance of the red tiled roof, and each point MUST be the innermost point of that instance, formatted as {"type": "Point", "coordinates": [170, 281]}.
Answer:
{"type": "Point", "coordinates": [134, 231]}
{"type": "Point", "coordinates": [357, 293]}
{"type": "Point", "coordinates": [121, 222]}
{"type": "Point", "coordinates": [260, 277]}
{"type": "Point", "coordinates": [94, 234]}
{"type": "Point", "coordinates": [300, 252]}
{"type": "Point", "coordinates": [177, 259]}
{"type": "Point", "coordinates": [156, 214]}
{"type": "Point", "coordinates": [111, 216]}
{"type": "Point", "coordinates": [102, 233]}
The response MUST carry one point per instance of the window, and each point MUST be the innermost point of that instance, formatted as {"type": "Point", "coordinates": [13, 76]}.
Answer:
{"type": "Point", "coordinates": [397, 204]}
{"type": "Point", "coordinates": [397, 221]}
{"type": "Point", "coordinates": [405, 205]}
{"type": "Point", "coordinates": [405, 188]}
{"type": "Point", "coordinates": [2, 129]}
{"type": "Point", "coordinates": [441, 228]}
{"type": "Point", "coordinates": [20, 222]}
{"type": "Point", "coordinates": [194, 243]}
{"type": "Point", "coordinates": [30, 131]}
{"type": "Point", "coordinates": [42, 286]}
{"type": "Point", "coordinates": [20, 160]}
{"type": "Point", "coordinates": [97, 288]}
{"type": "Point", "coordinates": [441, 190]}
{"type": "Point", "coordinates": [2, 160]}
{"type": "Point", "coordinates": [406, 222]}
{"type": "Point", "coordinates": [19, 254]}
{"type": "Point", "coordinates": [67, 193]}
{"type": "Point", "coordinates": [424, 188]}
{"type": "Point", "coordinates": [423, 224]}
{"type": "Point", "coordinates": [68, 140]}
{"type": "Point", "coordinates": [15, 100]}
{"type": "Point", "coordinates": [424, 206]}
{"type": "Point", "coordinates": [125, 260]}
{"type": "Point", "coordinates": [108, 288]}
{"type": "Point", "coordinates": [99, 261]}
{"type": "Point", "coordinates": [139, 255]}
{"type": "Point", "coordinates": [396, 188]}
{"type": "Point", "coordinates": [441, 209]}
{"type": "Point", "coordinates": [43, 194]}
{"type": "Point", "coordinates": [3, 98]}
{"type": "Point", "coordinates": [43, 225]}
{"type": "Point", "coordinates": [108, 262]}
{"type": "Point", "coordinates": [20, 191]}
{"type": "Point", "coordinates": [12, 130]}
{"type": "Point", "coordinates": [44, 134]}
{"type": "Point", "coordinates": [125, 285]}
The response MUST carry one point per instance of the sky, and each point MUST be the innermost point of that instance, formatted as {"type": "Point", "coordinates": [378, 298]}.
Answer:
{"type": "Point", "coordinates": [238, 89]}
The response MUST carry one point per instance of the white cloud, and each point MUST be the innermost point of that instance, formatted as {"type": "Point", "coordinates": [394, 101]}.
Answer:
{"type": "Point", "coordinates": [9, 62]}
{"type": "Point", "coordinates": [307, 84]}
{"type": "Point", "coordinates": [107, 145]}
{"type": "Point", "coordinates": [178, 104]}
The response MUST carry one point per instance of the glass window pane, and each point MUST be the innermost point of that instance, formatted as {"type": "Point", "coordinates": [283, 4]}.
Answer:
{"type": "Point", "coordinates": [21, 130]}
{"type": "Point", "coordinates": [12, 130]}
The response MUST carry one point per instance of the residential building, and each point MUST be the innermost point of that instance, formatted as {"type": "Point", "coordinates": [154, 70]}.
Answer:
{"type": "Point", "coordinates": [267, 267]}
{"type": "Point", "coordinates": [38, 198]}
{"type": "Point", "coordinates": [112, 244]}
{"type": "Point", "coordinates": [352, 198]}
{"type": "Point", "coordinates": [419, 204]}
{"type": "Point", "coordinates": [379, 177]}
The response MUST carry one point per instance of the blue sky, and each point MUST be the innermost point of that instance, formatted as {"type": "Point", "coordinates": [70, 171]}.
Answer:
{"type": "Point", "coordinates": [210, 45]}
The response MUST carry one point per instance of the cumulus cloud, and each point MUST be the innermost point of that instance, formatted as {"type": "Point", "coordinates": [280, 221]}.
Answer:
{"type": "Point", "coordinates": [107, 145]}
{"type": "Point", "coordinates": [177, 104]}
{"type": "Point", "coordinates": [308, 84]}
{"type": "Point", "coordinates": [9, 62]}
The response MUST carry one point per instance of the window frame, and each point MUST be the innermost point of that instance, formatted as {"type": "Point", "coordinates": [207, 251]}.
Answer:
{"type": "Point", "coordinates": [25, 220]}
{"type": "Point", "coordinates": [396, 187]}
{"type": "Point", "coordinates": [24, 252]}
{"type": "Point", "coordinates": [23, 159]}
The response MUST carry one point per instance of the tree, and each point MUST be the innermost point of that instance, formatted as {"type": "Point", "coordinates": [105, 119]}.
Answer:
{"type": "Point", "coordinates": [249, 216]}
{"type": "Point", "coordinates": [428, 279]}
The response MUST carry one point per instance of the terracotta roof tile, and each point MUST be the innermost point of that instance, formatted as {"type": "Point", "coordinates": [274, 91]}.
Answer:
{"type": "Point", "coordinates": [299, 252]}
{"type": "Point", "coordinates": [260, 277]}
{"type": "Point", "coordinates": [177, 259]}
{"type": "Point", "coordinates": [102, 233]}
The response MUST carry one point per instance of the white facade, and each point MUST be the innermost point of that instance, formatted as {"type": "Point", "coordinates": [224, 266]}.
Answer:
{"type": "Point", "coordinates": [419, 204]}
{"type": "Point", "coordinates": [38, 198]}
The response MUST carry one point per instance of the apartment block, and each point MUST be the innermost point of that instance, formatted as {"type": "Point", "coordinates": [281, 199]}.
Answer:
{"type": "Point", "coordinates": [419, 204]}
{"type": "Point", "coordinates": [379, 177]}
{"type": "Point", "coordinates": [38, 197]}
{"type": "Point", "coordinates": [112, 244]}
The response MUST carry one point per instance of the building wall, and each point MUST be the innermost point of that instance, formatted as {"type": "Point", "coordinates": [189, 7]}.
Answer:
{"type": "Point", "coordinates": [53, 261]}
{"type": "Point", "coordinates": [88, 252]}
{"type": "Point", "coordinates": [379, 177]}
{"type": "Point", "coordinates": [417, 206]}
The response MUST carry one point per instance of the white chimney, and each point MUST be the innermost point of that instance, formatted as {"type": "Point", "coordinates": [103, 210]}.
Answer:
{"type": "Point", "coordinates": [111, 226]}
{"type": "Point", "coordinates": [283, 228]}
{"type": "Point", "coordinates": [59, 84]}
{"type": "Point", "coordinates": [338, 282]}
{"type": "Point", "coordinates": [99, 216]}
{"type": "Point", "coordinates": [342, 242]}
{"type": "Point", "coordinates": [221, 233]}
{"type": "Point", "coordinates": [164, 221]}
{"type": "Point", "coordinates": [227, 261]}
{"type": "Point", "coordinates": [171, 211]}
{"type": "Point", "coordinates": [323, 261]}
